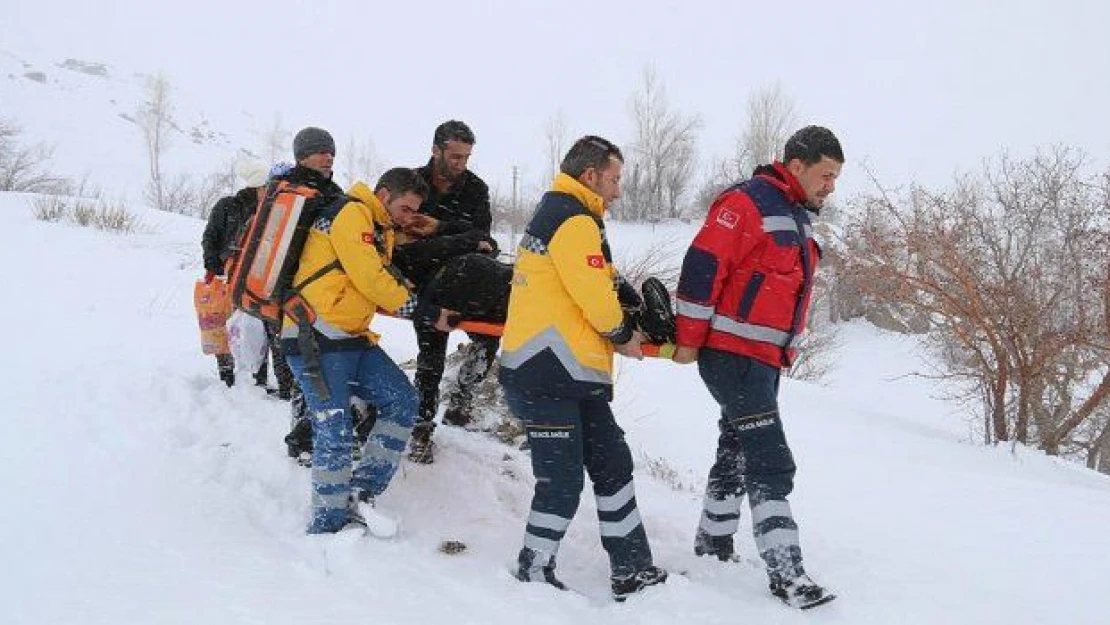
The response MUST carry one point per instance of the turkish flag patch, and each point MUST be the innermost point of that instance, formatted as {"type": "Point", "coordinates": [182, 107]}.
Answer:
{"type": "Point", "coordinates": [597, 261]}
{"type": "Point", "coordinates": [368, 238]}
{"type": "Point", "coordinates": [728, 219]}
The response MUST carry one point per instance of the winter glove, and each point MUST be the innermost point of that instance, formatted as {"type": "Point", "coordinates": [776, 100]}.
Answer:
{"type": "Point", "coordinates": [625, 332]}
{"type": "Point", "coordinates": [627, 295]}
{"type": "Point", "coordinates": [209, 276]}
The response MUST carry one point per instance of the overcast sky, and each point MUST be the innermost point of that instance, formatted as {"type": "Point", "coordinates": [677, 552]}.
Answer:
{"type": "Point", "coordinates": [917, 91]}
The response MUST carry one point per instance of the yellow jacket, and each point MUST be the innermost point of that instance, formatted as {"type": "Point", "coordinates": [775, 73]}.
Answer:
{"type": "Point", "coordinates": [356, 240]}
{"type": "Point", "coordinates": [563, 308]}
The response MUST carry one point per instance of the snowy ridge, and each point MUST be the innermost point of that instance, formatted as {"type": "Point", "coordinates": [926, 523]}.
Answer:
{"type": "Point", "coordinates": [87, 112]}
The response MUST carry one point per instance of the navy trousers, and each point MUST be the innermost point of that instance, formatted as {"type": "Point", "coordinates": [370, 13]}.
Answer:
{"type": "Point", "coordinates": [753, 459]}
{"type": "Point", "coordinates": [567, 435]}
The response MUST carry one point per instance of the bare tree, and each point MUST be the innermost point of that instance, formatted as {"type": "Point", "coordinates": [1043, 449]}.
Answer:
{"type": "Point", "coordinates": [1012, 269]}
{"type": "Point", "coordinates": [1098, 449]}
{"type": "Point", "coordinates": [851, 292]}
{"type": "Point", "coordinates": [555, 135]}
{"type": "Point", "coordinates": [155, 120]}
{"type": "Point", "coordinates": [659, 259]}
{"type": "Point", "coordinates": [361, 162]}
{"type": "Point", "coordinates": [771, 118]}
{"type": "Point", "coordinates": [662, 157]}
{"type": "Point", "coordinates": [184, 193]}
{"type": "Point", "coordinates": [820, 342]}
{"type": "Point", "coordinates": [275, 141]}
{"type": "Point", "coordinates": [24, 168]}
{"type": "Point", "coordinates": [719, 175]}
{"type": "Point", "coordinates": [213, 187]}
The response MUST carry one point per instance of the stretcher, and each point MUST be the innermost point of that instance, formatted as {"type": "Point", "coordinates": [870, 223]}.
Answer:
{"type": "Point", "coordinates": [651, 350]}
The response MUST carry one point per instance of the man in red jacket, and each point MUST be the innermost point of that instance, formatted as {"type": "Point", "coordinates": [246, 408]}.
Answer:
{"type": "Point", "coordinates": [742, 302]}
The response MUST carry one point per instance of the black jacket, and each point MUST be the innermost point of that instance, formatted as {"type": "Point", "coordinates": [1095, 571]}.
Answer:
{"type": "Point", "coordinates": [226, 224]}
{"type": "Point", "coordinates": [464, 222]}
{"type": "Point", "coordinates": [464, 207]}
{"type": "Point", "coordinates": [421, 259]}
{"type": "Point", "coordinates": [474, 285]}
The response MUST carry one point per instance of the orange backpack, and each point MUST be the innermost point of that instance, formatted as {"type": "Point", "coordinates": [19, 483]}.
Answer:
{"type": "Point", "coordinates": [261, 271]}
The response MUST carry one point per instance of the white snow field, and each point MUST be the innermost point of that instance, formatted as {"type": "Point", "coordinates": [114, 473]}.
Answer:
{"type": "Point", "coordinates": [137, 488]}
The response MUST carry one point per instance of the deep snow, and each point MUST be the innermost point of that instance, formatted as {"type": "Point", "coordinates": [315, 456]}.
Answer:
{"type": "Point", "coordinates": [138, 489]}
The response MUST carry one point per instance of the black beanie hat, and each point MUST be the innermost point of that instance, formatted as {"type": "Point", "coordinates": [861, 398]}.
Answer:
{"type": "Point", "coordinates": [311, 141]}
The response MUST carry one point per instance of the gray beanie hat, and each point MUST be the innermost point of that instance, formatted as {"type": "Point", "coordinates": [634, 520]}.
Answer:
{"type": "Point", "coordinates": [311, 141]}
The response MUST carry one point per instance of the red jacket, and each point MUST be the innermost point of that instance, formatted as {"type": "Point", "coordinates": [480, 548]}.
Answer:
{"type": "Point", "coordinates": [748, 276]}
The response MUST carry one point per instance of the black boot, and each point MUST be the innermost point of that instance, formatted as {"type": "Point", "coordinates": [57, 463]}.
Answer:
{"type": "Point", "coordinates": [363, 419]}
{"type": "Point", "coordinates": [421, 445]}
{"type": "Point", "coordinates": [262, 376]}
{"type": "Point", "coordinates": [532, 566]}
{"type": "Point", "coordinates": [286, 381]}
{"type": "Point", "coordinates": [720, 547]}
{"type": "Point", "coordinates": [299, 441]}
{"type": "Point", "coordinates": [225, 366]}
{"type": "Point", "coordinates": [631, 584]}
{"type": "Point", "coordinates": [457, 416]}
{"type": "Point", "coordinates": [800, 592]}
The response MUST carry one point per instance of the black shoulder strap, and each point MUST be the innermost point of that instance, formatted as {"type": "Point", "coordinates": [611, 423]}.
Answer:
{"type": "Point", "coordinates": [316, 275]}
{"type": "Point", "coordinates": [330, 208]}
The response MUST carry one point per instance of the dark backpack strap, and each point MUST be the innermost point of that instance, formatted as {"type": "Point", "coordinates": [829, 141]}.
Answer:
{"type": "Point", "coordinates": [330, 210]}
{"type": "Point", "coordinates": [316, 275]}
{"type": "Point", "coordinates": [379, 238]}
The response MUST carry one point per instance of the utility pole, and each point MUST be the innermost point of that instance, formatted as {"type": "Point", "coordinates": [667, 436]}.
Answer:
{"type": "Point", "coordinates": [514, 212]}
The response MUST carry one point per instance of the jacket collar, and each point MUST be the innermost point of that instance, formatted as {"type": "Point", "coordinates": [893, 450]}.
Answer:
{"type": "Point", "coordinates": [570, 186]}
{"type": "Point", "coordinates": [428, 172]}
{"type": "Point", "coordinates": [313, 179]}
{"type": "Point", "coordinates": [778, 175]}
{"type": "Point", "coordinates": [385, 235]}
{"type": "Point", "coordinates": [361, 192]}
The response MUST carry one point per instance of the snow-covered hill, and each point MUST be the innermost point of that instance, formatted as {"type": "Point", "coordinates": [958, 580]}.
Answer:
{"type": "Point", "coordinates": [87, 111]}
{"type": "Point", "coordinates": [138, 489]}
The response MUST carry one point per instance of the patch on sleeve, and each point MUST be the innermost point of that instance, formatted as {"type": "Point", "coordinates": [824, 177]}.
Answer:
{"type": "Point", "coordinates": [368, 238]}
{"type": "Point", "coordinates": [728, 219]}
{"type": "Point", "coordinates": [597, 261]}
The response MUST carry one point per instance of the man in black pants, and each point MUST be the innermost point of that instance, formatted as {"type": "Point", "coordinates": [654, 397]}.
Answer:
{"type": "Point", "coordinates": [454, 220]}
{"type": "Point", "coordinates": [226, 224]}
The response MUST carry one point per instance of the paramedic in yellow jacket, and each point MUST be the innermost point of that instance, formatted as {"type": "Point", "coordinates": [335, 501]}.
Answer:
{"type": "Point", "coordinates": [344, 275]}
{"type": "Point", "coordinates": [563, 326]}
